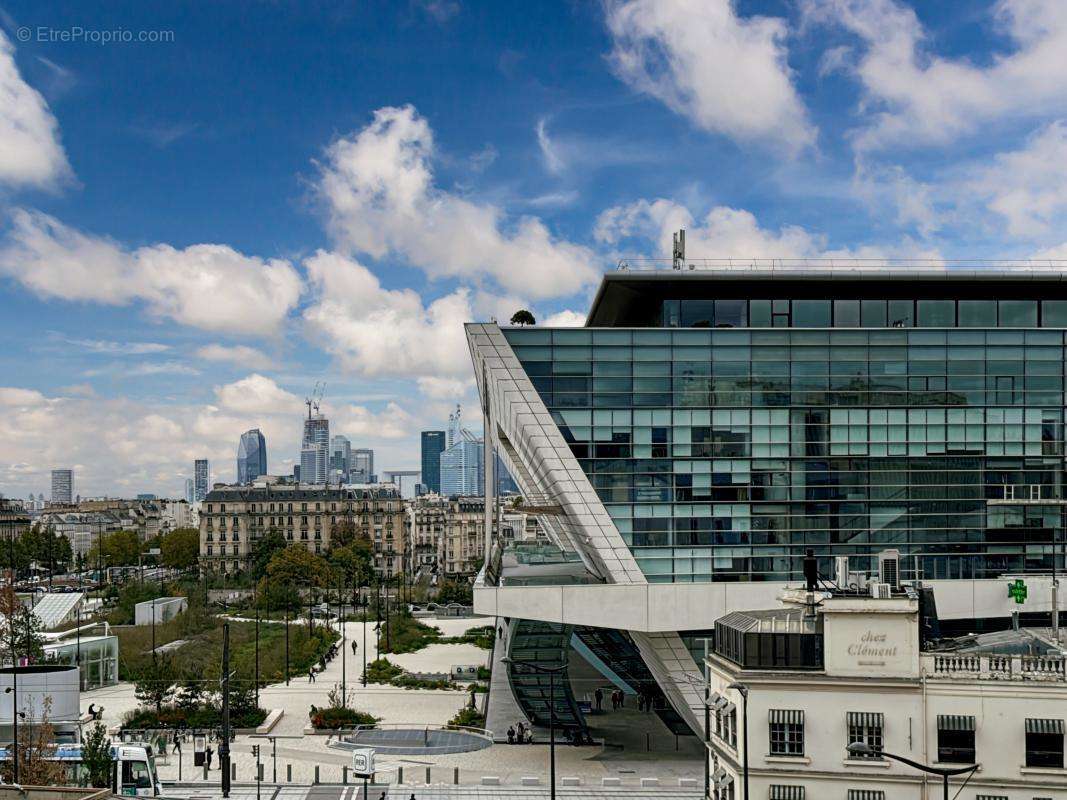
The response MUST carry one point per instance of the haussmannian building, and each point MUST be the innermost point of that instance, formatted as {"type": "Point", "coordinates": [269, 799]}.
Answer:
{"type": "Point", "coordinates": [709, 425]}
{"type": "Point", "coordinates": [234, 518]}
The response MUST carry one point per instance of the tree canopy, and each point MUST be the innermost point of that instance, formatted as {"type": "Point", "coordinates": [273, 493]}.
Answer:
{"type": "Point", "coordinates": [180, 549]}
{"type": "Point", "coordinates": [523, 317]}
{"type": "Point", "coordinates": [116, 549]}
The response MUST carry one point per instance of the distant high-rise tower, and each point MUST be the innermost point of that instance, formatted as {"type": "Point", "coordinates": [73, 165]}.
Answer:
{"type": "Point", "coordinates": [190, 492]}
{"type": "Point", "coordinates": [201, 479]}
{"type": "Point", "coordinates": [315, 444]}
{"type": "Point", "coordinates": [361, 469]}
{"type": "Point", "coordinates": [462, 470]}
{"type": "Point", "coordinates": [340, 459]}
{"type": "Point", "coordinates": [62, 485]}
{"type": "Point", "coordinates": [433, 444]}
{"type": "Point", "coordinates": [251, 456]}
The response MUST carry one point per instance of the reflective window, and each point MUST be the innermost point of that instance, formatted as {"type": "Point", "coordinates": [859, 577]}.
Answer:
{"type": "Point", "coordinates": [811, 313]}
{"type": "Point", "coordinates": [977, 313]}
{"type": "Point", "coordinates": [1018, 313]}
{"type": "Point", "coordinates": [846, 313]}
{"type": "Point", "coordinates": [936, 313]}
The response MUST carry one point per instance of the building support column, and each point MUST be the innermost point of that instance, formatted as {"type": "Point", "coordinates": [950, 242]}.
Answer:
{"type": "Point", "coordinates": [489, 461]}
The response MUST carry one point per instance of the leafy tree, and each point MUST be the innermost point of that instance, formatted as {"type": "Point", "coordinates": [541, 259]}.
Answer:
{"type": "Point", "coordinates": [298, 566]}
{"type": "Point", "coordinates": [154, 684]}
{"type": "Point", "coordinates": [180, 549]}
{"type": "Point", "coordinates": [20, 631]}
{"type": "Point", "coordinates": [455, 592]}
{"type": "Point", "coordinates": [353, 563]}
{"type": "Point", "coordinates": [264, 551]}
{"type": "Point", "coordinates": [37, 745]}
{"type": "Point", "coordinates": [117, 549]}
{"type": "Point", "coordinates": [523, 317]}
{"type": "Point", "coordinates": [96, 756]}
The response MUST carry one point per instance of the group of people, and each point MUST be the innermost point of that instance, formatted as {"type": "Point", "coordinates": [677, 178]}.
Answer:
{"type": "Point", "coordinates": [325, 659]}
{"type": "Point", "coordinates": [618, 699]}
{"type": "Point", "coordinates": [520, 734]}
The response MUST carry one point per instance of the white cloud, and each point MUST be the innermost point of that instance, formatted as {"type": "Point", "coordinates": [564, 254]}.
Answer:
{"type": "Point", "coordinates": [445, 388]}
{"type": "Point", "coordinates": [378, 189]}
{"type": "Point", "coordinates": [725, 73]}
{"type": "Point", "coordinates": [1026, 187]}
{"type": "Point", "coordinates": [564, 319]}
{"type": "Point", "coordinates": [377, 331]}
{"type": "Point", "coordinates": [258, 394]}
{"type": "Point", "coordinates": [549, 155]}
{"type": "Point", "coordinates": [104, 346]}
{"type": "Point", "coordinates": [239, 355]}
{"type": "Point", "coordinates": [206, 286]}
{"type": "Point", "coordinates": [915, 96]}
{"type": "Point", "coordinates": [912, 200]}
{"type": "Point", "coordinates": [30, 151]}
{"type": "Point", "coordinates": [393, 422]}
{"type": "Point", "coordinates": [732, 233]}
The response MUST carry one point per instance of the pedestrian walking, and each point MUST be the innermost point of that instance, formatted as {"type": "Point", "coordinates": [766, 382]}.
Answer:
{"type": "Point", "coordinates": [622, 699]}
{"type": "Point", "coordinates": [598, 695]}
{"type": "Point", "coordinates": [354, 645]}
{"type": "Point", "coordinates": [511, 735]}
{"type": "Point", "coordinates": [311, 675]}
{"type": "Point", "coordinates": [208, 753]}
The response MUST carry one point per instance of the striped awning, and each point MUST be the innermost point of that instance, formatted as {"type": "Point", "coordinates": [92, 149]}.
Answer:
{"type": "Point", "coordinates": [719, 703]}
{"type": "Point", "coordinates": [866, 794]}
{"type": "Point", "coordinates": [955, 722]}
{"type": "Point", "coordinates": [729, 709]}
{"type": "Point", "coordinates": [721, 777]}
{"type": "Point", "coordinates": [784, 716]}
{"type": "Point", "coordinates": [864, 719]}
{"type": "Point", "coordinates": [779, 792]}
{"type": "Point", "coordinates": [1044, 726]}
{"type": "Point", "coordinates": [990, 797]}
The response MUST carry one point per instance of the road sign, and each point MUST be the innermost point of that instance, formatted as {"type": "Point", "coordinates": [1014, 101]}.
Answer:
{"type": "Point", "coordinates": [363, 762]}
{"type": "Point", "coordinates": [1017, 591]}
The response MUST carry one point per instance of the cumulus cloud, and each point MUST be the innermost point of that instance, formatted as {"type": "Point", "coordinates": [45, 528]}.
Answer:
{"type": "Point", "coordinates": [564, 319]}
{"type": "Point", "coordinates": [376, 331]}
{"type": "Point", "coordinates": [207, 286]}
{"type": "Point", "coordinates": [914, 96]}
{"type": "Point", "coordinates": [1026, 186]}
{"type": "Point", "coordinates": [379, 194]}
{"type": "Point", "coordinates": [732, 233]}
{"type": "Point", "coordinates": [239, 355]}
{"type": "Point", "coordinates": [30, 151]}
{"type": "Point", "coordinates": [107, 347]}
{"type": "Point", "coordinates": [257, 394]}
{"type": "Point", "coordinates": [725, 73]}
{"type": "Point", "coordinates": [393, 422]}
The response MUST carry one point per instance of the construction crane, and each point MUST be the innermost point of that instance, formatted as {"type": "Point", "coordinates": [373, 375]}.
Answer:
{"type": "Point", "coordinates": [315, 400]}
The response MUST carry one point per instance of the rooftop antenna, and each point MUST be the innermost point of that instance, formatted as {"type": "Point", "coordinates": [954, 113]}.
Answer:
{"type": "Point", "coordinates": [678, 253]}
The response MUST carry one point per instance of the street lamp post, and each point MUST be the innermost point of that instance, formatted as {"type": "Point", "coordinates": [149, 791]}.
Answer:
{"type": "Point", "coordinates": [365, 601]}
{"type": "Point", "coordinates": [864, 749]}
{"type": "Point", "coordinates": [552, 672]}
{"type": "Point", "coordinates": [740, 687]}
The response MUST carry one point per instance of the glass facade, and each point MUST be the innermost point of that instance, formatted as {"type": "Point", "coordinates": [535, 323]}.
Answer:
{"type": "Point", "coordinates": [723, 452]}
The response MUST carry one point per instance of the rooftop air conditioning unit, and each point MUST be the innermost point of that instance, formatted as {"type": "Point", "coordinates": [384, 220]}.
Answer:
{"type": "Point", "coordinates": [881, 591]}
{"type": "Point", "coordinates": [889, 568]}
{"type": "Point", "coordinates": [857, 579]}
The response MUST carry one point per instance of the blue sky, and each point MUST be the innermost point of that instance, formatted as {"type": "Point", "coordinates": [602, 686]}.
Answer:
{"type": "Point", "coordinates": [194, 231]}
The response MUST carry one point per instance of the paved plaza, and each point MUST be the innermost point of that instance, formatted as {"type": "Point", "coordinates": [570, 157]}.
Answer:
{"type": "Point", "coordinates": [303, 758]}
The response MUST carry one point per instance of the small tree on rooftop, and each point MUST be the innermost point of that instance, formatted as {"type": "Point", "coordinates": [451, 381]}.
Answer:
{"type": "Point", "coordinates": [523, 317]}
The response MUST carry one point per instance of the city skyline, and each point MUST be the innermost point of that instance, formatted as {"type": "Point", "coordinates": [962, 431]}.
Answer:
{"type": "Point", "coordinates": [127, 373]}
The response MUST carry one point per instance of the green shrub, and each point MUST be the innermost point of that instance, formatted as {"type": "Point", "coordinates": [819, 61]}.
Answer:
{"type": "Point", "coordinates": [481, 636]}
{"type": "Point", "coordinates": [335, 718]}
{"type": "Point", "coordinates": [406, 635]}
{"type": "Point", "coordinates": [382, 671]}
{"type": "Point", "coordinates": [202, 716]}
{"type": "Point", "coordinates": [468, 717]}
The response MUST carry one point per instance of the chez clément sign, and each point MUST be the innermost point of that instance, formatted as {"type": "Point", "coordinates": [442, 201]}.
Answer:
{"type": "Point", "coordinates": [871, 644]}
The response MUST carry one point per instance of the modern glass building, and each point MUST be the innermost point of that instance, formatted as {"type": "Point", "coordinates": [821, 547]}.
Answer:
{"type": "Point", "coordinates": [201, 478]}
{"type": "Point", "coordinates": [707, 427]}
{"type": "Point", "coordinates": [63, 486]}
{"type": "Point", "coordinates": [433, 444]}
{"type": "Point", "coordinates": [340, 459]}
{"type": "Point", "coordinates": [251, 456]}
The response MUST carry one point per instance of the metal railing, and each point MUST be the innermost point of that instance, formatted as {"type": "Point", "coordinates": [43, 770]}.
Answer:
{"type": "Point", "coordinates": [771, 265]}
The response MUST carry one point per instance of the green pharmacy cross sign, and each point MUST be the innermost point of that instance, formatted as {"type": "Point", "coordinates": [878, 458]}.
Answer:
{"type": "Point", "coordinates": [1017, 591]}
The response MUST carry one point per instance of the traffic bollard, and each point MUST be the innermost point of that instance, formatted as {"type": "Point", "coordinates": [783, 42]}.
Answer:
{"type": "Point", "coordinates": [428, 776]}
{"type": "Point", "coordinates": [316, 773]}
{"type": "Point", "coordinates": [455, 776]}
{"type": "Point", "coordinates": [289, 773]}
{"type": "Point", "coordinates": [344, 774]}
{"type": "Point", "coordinates": [399, 775]}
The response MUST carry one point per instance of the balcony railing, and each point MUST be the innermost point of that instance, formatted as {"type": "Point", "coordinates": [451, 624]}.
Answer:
{"type": "Point", "coordinates": [957, 666]}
